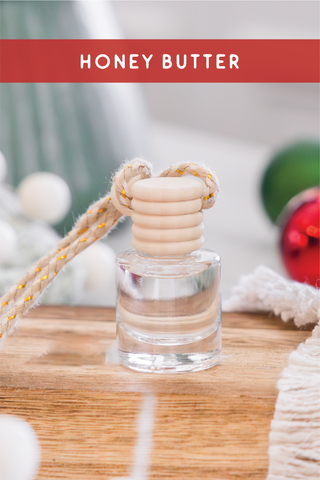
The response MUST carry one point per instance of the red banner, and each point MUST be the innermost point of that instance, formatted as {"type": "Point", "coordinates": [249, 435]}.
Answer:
{"type": "Point", "coordinates": [160, 61]}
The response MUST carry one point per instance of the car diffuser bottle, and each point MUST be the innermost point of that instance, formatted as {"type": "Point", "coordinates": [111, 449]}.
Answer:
{"type": "Point", "coordinates": [168, 287]}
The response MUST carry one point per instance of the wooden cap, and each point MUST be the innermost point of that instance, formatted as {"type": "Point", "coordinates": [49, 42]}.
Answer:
{"type": "Point", "coordinates": [166, 215]}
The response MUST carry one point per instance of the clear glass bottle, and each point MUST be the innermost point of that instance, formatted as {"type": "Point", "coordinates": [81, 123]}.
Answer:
{"type": "Point", "coordinates": [168, 311]}
{"type": "Point", "coordinates": [168, 287]}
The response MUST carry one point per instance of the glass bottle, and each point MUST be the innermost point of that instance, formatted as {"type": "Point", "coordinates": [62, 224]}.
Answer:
{"type": "Point", "coordinates": [168, 289]}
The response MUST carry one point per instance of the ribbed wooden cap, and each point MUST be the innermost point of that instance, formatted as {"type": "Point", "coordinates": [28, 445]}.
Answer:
{"type": "Point", "coordinates": [166, 215]}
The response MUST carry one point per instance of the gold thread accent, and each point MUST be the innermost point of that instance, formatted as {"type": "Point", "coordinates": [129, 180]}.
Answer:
{"type": "Point", "coordinates": [55, 274]}
{"type": "Point", "coordinates": [127, 166]}
{"type": "Point", "coordinates": [21, 286]}
{"type": "Point", "coordinates": [44, 278]}
{"type": "Point", "coordinates": [89, 211]}
{"type": "Point", "coordinates": [62, 248]}
{"type": "Point", "coordinates": [28, 298]}
{"type": "Point", "coordinates": [123, 193]}
{"type": "Point", "coordinates": [109, 198]}
{"type": "Point", "coordinates": [82, 230]}
{"type": "Point", "coordinates": [83, 240]}
{"type": "Point", "coordinates": [4, 303]}
{"type": "Point", "coordinates": [101, 210]}
{"type": "Point", "coordinates": [61, 257]}
{"type": "Point", "coordinates": [179, 171]}
{"type": "Point", "coordinates": [101, 225]}
{"type": "Point", "coordinates": [208, 196]}
{"type": "Point", "coordinates": [11, 318]}
{"type": "Point", "coordinates": [194, 173]}
{"type": "Point", "coordinates": [210, 176]}
{"type": "Point", "coordinates": [38, 270]}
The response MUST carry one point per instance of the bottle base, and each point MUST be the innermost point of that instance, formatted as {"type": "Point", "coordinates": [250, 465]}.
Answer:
{"type": "Point", "coordinates": [164, 357]}
{"type": "Point", "coordinates": [170, 363]}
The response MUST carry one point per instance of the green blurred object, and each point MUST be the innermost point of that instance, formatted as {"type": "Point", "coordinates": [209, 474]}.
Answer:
{"type": "Point", "coordinates": [292, 170]}
{"type": "Point", "coordinates": [81, 132]}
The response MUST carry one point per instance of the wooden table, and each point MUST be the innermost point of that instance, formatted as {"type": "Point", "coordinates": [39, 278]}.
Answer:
{"type": "Point", "coordinates": [208, 425]}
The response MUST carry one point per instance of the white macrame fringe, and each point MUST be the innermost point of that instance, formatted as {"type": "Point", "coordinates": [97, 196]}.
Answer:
{"type": "Point", "coordinates": [294, 450]}
{"type": "Point", "coordinates": [267, 291]}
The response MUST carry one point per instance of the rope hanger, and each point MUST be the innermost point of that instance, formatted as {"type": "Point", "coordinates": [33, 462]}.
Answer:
{"type": "Point", "coordinates": [91, 226]}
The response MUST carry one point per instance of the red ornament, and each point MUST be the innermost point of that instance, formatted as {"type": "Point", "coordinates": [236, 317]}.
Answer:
{"type": "Point", "coordinates": [300, 238]}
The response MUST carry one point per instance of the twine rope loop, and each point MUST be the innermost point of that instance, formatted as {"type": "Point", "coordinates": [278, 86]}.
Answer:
{"type": "Point", "coordinates": [94, 224]}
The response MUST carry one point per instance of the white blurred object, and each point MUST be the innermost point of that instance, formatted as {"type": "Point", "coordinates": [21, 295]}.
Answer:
{"type": "Point", "coordinates": [143, 447]}
{"type": "Point", "coordinates": [124, 100]}
{"type": "Point", "coordinates": [99, 19]}
{"type": "Point", "coordinates": [99, 263]}
{"type": "Point", "coordinates": [3, 167]}
{"type": "Point", "coordinates": [45, 196]}
{"type": "Point", "coordinates": [19, 449]}
{"type": "Point", "coordinates": [99, 259]}
{"type": "Point", "coordinates": [8, 242]}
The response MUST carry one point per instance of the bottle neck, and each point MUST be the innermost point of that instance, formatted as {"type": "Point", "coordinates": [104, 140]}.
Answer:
{"type": "Point", "coordinates": [147, 256]}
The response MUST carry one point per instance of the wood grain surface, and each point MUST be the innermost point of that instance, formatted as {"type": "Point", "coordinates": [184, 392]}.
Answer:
{"type": "Point", "coordinates": [208, 425]}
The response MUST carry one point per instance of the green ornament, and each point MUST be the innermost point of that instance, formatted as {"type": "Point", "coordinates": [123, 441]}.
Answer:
{"type": "Point", "coordinates": [292, 170]}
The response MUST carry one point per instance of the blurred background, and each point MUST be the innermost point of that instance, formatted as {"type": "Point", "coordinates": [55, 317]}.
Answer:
{"type": "Point", "coordinates": [62, 142]}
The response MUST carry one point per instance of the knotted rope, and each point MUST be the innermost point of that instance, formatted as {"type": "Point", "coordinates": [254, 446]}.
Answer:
{"type": "Point", "coordinates": [91, 226]}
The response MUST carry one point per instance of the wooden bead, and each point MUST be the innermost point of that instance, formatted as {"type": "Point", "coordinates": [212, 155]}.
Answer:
{"type": "Point", "coordinates": [168, 221]}
{"type": "Point", "coordinates": [167, 235]}
{"type": "Point", "coordinates": [167, 189]}
{"type": "Point", "coordinates": [166, 208]}
{"type": "Point", "coordinates": [161, 249]}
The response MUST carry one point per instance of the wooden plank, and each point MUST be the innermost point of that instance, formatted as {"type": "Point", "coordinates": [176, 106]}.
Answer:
{"type": "Point", "coordinates": [210, 425]}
